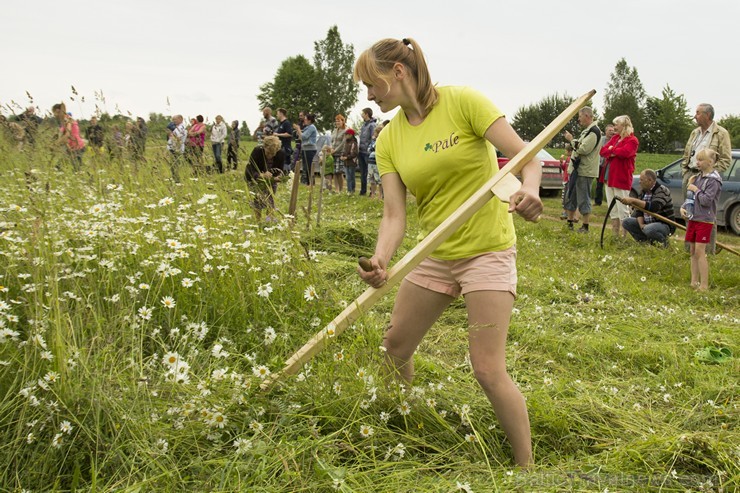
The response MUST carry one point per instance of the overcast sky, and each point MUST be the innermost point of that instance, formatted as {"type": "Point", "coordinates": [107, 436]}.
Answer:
{"type": "Point", "coordinates": [210, 57]}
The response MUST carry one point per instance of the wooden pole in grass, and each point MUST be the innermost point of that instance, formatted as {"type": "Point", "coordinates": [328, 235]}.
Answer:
{"type": "Point", "coordinates": [296, 184]}
{"type": "Point", "coordinates": [502, 185]}
{"type": "Point", "coordinates": [322, 172]}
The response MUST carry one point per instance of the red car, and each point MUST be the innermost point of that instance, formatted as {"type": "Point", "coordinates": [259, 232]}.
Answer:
{"type": "Point", "coordinates": [552, 173]}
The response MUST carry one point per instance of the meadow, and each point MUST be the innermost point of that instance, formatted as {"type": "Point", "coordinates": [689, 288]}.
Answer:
{"type": "Point", "coordinates": [138, 318]}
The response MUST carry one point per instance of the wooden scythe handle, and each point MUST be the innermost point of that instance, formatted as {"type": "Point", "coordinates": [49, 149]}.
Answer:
{"type": "Point", "coordinates": [679, 226]}
{"type": "Point", "coordinates": [434, 239]}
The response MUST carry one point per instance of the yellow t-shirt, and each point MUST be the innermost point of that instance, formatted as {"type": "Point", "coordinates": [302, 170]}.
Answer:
{"type": "Point", "coordinates": [443, 161]}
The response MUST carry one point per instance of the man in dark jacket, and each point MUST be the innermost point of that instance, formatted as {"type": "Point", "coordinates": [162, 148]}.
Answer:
{"type": "Point", "coordinates": [94, 134]}
{"type": "Point", "coordinates": [366, 135]}
{"type": "Point", "coordinates": [654, 198]}
{"type": "Point", "coordinates": [30, 123]}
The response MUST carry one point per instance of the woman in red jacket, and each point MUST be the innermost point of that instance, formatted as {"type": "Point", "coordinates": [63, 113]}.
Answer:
{"type": "Point", "coordinates": [620, 153]}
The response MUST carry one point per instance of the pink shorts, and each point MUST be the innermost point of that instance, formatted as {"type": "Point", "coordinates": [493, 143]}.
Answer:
{"type": "Point", "coordinates": [697, 232]}
{"type": "Point", "coordinates": [493, 271]}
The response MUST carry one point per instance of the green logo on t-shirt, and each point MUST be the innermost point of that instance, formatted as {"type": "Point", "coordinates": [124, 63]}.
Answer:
{"type": "Point", "coordinates": [441, 145]}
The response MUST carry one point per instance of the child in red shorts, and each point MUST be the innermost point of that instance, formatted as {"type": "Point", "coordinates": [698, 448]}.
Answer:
{"type": "Point", "coordinates": [706, 188]}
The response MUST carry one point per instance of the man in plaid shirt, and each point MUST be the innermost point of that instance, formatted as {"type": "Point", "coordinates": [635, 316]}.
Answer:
{"type": "Point", "coordinates": [654, 198]}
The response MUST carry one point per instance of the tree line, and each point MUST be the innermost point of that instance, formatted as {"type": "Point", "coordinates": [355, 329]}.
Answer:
{"type": "Point", "coordinates": [662, 123]}
{"type": "Point", "coordinates": [324, 87]}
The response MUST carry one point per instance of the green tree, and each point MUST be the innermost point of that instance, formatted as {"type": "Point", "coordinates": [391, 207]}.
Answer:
{"type": "Point", "coordinates": [667, 122]}
{"type": "Point", "coordinates": [294, 88]}
{"type": "Point", "coordinates": [530, 120]}
{"type": "Point", "coordinates": [157, 124]}
{"type": "Point", "coordinates": [625, 95]}
{"type": "Point", "coordinates": [333, 62]}
{"type": "Point", "coordinates": [245, 133]}
{"type": "Point", "coordinates": [732, 124]}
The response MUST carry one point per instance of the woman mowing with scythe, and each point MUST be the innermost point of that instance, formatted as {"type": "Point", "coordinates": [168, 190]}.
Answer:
{"type": "Point", "coordinates": [440, 147]}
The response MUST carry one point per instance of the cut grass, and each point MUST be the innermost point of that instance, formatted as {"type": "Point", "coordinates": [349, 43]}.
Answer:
{"type": "Point", "coordinates": [601, 343]}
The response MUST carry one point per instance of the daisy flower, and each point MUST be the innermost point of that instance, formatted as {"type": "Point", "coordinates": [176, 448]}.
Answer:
{"type": "Point", "coordinates": [7, 334]}
{"type": "Point", "coordinates": [366, 431]}
{"type": "Point", "coordinates": [219, 420]}
{"type": "Point", "coordinates": [170, 358]}
{"type": "Point", "coordinates": [162, 446]}
{"type": "Point", "coordinates": [218, 351]}
{"type": "Point", "coordinates": [470, 438]}
{"type": "Point", "coordinates": [168, 302]}
{"type": "Point", "coordinates": [242, 445]}
{"type": "Point", "coordinates": [270, 336]}
{"type": "Point", "coordinates": [51, 377]}
{"type": "Point", "coordinates": [56, 442]}
{"type": "Point", "coordinates": [187, 282]}
{"type": "Point", "coordinates": [310, 293]}
{"type": "Point", "coordinates": [331, 330]}
{"type": "Point", "coordinates": [404, 409]}
{"type": "Point", "coordinates": [145, 313]}
{"type": "Point", "coordinates": [464, 487]}
{"type": "Point", "coordinates": [260, 371]}
{"type": "Point", "coordinates": [66, 427]}
{"type": "Point", "coordinates": [264, 290]}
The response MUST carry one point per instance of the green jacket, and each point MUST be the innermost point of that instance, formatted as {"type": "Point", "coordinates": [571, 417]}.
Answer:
{"type": "Point", "coordinates": [719, 141]}
{"type": "Point", "coordinates": [586, 147]}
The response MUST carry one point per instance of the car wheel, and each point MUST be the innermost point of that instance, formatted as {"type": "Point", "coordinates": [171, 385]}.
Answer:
{"type": "Point", "coordinates": [734, 219]}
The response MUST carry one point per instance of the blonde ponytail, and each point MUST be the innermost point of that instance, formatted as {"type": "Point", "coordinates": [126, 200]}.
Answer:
{"type": "Point", "coordinates": [376, 63]}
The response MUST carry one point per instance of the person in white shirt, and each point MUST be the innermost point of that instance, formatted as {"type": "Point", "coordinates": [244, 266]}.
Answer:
{"type": "Point", "coordinates": [176, 144]}
{"type": "Point", "coordinates": [218, 135]}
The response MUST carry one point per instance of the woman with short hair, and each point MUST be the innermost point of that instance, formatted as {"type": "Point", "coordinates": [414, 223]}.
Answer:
{"type": "Point", "coordinates": [263, 171]}
{"type": "Point", "coordinates": [619, 165]}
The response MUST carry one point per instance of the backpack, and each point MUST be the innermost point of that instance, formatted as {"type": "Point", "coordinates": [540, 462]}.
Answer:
{"type": "Point", "coordinates": [594, 130]}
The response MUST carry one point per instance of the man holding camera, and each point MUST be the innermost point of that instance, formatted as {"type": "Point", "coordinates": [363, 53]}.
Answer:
{"type": "Point", "coordinates": [585, 166]}
{"type": "Point", "coordinates": [708, 135]}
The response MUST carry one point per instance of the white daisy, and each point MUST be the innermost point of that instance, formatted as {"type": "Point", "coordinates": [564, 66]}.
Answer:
{"type": "Point", "coordinates": [310, 293]}
{"type": "Point", "coordinates": [168, 302]}
{"type": "Point", "coordinates": [366, 431]}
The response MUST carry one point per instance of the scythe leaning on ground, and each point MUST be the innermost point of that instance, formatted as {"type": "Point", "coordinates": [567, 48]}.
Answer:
{"type": "Point", "coordinates": [503, 184]}
{"type": "Point", "coordinates": [667, 221]}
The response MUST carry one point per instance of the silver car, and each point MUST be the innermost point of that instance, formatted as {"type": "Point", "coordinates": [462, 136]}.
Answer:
{"type": "Point", "coordinates": [728, 210]}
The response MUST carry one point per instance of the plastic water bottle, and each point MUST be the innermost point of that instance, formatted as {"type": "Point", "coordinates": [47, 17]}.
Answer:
{"type": "Point", "coordinates": [689, 204]}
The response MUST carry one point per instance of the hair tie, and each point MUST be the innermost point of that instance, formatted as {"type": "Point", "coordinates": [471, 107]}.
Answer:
{"type": "Point", "coordinates": [406, 41]}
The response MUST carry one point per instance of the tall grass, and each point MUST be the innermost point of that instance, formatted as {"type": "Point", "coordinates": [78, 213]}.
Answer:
{"type": "Point", "coordinates": [138, 316]}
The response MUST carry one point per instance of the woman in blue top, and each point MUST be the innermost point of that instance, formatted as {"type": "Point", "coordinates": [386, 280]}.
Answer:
{"type": "Point", "coordinates": [308, 136]}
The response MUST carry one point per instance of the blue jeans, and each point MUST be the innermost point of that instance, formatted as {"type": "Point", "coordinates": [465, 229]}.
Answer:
{"type": "Point", "coordinates": [656, 232]}
{"type": "Point", "coordinates": [350, 172]}
{"type": "Point", "coordinates": [579, 196]}
{"type": "Point", "coordinates": [217, 156]}
{"type": "Point", "coordinates": [306, 172]}
{"type": "Point", "coordinates": [362, 158]}
{"type": "Point", "coordinates": [288, 151]}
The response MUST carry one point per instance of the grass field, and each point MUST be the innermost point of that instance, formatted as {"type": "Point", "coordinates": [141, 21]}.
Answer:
{"type": "Point", "coordinates": [138, 318]}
